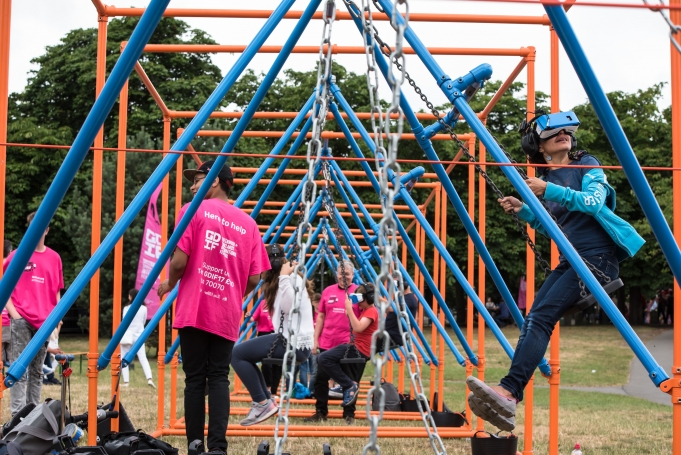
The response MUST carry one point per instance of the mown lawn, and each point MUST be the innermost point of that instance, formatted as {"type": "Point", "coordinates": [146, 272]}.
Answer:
{"type": "Point", "coordinates": [603, 424]}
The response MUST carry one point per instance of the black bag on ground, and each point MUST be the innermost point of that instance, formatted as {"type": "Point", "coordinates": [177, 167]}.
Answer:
{"type": "Point", "coordinates": [392, 398]}
{"type": "Point", "coordinates": [35, 434]}
{"type": "Point", "coordinates": [484, 443]}
{"type": "Point", "coordinates": [124, 423]}
{"type": "Point", "coordinates": [10, 448]}
{"type": "Point", "coordinates": [128, 442]}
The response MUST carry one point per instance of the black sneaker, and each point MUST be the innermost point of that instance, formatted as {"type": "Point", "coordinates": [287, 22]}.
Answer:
{"type": "Point", "coordinates": [316, 417]}
{"type": "Point", "coordinates": [349, 420]}
{"type": "Point", "coordinates": [217, 451]}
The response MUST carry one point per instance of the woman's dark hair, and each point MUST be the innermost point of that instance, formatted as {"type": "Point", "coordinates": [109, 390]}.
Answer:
{"type": "Point", "coordinates": [7, 249]}
{"type": "Point", "coordinates": [270, 284]}
{"type": "Point", "coordinates": [367, 291]}
{"type": "Point", "coordinates": [133, 293]}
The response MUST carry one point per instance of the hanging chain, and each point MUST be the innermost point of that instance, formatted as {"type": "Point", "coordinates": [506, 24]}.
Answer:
{"type": "Point", "coordinates": [314, 150]}
{"type": "Point", "coordinates": [387, 166]}
{"type": "Point", "coordinates": [673, 28]}
{"type": "Point", "coordinates": [280, 336]}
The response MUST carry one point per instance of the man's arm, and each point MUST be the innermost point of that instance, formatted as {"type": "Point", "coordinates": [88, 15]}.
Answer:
{"type": "Point", "coordinates": [253, 281]}
{"type": "Point", "coordinates": [177, 267]}
{"type": "Point", "coordinates": [318, 330]}
{"type": "Point", "coordinates": [13, 313]}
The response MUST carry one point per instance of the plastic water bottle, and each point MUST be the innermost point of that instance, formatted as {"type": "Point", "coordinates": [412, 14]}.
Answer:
{"type": "Point", "coordinates": [577, 450]}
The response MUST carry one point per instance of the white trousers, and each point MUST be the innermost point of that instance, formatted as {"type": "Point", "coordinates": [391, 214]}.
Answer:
{"type": "Point", "coordinates": [141, 356]}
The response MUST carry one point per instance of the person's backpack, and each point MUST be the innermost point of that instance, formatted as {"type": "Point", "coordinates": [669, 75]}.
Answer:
{"type": "Point", "coordinates": [392, 398]}
{"type": "Point", "coordinates": [128, 442]}
{"type": "Point", "coordinates": [36, 432]}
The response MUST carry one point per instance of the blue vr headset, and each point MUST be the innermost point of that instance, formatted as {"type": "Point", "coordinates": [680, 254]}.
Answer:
{"type": "Point", "coordinates": [545, 126]}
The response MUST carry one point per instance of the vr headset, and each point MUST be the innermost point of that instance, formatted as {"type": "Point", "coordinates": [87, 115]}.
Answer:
{"type": "Point", "coordinates": [368, 294]}
{"type": "Point", "coordinates": [276, 256]}
{"type": "Point", "coordinates": [545, 126]}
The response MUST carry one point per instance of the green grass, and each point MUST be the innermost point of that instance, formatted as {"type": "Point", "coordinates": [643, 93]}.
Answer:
{"type": "Point", "coordinates": [603, 424]}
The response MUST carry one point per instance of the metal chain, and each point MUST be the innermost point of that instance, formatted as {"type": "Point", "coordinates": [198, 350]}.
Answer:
{"type": "Point", "coordinates": [314, 150]}
{"type": "Point", "coordinates": [520, 225]}
{"type": "Point", "coordinates": [280, 336]}
{"type": "Point", "coordinates": [673, 28]}
{"type": "Point", "coordinates": [387, 166]}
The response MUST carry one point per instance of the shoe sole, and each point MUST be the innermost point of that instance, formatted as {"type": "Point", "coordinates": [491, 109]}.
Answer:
{"type": "Point", "coordinates": [485, 412]}
{"type": "Point", "coordinates": [503, 406]}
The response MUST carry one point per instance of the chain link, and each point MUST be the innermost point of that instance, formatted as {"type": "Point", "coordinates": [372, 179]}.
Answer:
{"type": "Point", "coordinates": [314, 149]}
{"type": "Point", "coordinates": [673, 28]}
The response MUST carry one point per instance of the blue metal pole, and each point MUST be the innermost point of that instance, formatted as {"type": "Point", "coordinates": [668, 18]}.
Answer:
{"type": "Point", "coordinates": [171, 352]}
{"type": "Point", "coordinates": [250, 297]}
{"type": "Point", "coordinates": [137, 345]}
{"type": "Point", "coordinates": [19, 368]}
{"type": "Point", "coordinates": [313, 213]}
{"type": "Point", "coordinates": [282, 167]}
{"type": "Point", "coordinates": [245, 332]}
{"type": "Point", "coordinates": [275, 151]}
{"type": "Point", "coordinates": [657, 373]}
{"type": "Point", "coordinates": [292, 201]}
{"type": "Point", "coordinates": [618, 140]}
{"type": "Point", "coordinates": [240, 127]}
{"type": "Point", "coordinates": [315, 234]}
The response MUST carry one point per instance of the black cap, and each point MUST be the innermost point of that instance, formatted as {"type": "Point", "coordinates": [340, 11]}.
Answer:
{"type": "Point", "coordinates": [225, 173]}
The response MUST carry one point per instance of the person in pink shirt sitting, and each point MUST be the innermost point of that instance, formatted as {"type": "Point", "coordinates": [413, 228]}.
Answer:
{"type": "Point", "coordinates": [333, 329]}
{"type": "Point", "coordinates": [34, 297]}
{"type": "Point", "coordinates": [264, 326]}
{"type": "Point", "coordinates": [219, 258]}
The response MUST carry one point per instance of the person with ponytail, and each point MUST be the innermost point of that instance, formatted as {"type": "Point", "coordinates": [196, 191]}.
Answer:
{"type": "Point", "coordinates": [278, 291]}
{"type": "Point", "coordinates": [581, 201]}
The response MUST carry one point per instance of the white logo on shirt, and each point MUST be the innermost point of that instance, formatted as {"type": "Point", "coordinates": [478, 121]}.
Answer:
{"type": "Point", "coordinates": [212, 239]}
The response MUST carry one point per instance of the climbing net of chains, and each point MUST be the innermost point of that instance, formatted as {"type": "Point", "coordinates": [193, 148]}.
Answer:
{"type": "Point", "coordinates": [673, 28]}
{"type": "Point", "coordinates": [520, 225]}
{"type": "Point", "coordinates": [387, 167]}
{"type": "Point", "coordinates": [314, 150]}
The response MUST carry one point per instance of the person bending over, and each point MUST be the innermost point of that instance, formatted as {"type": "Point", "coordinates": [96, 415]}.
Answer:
{"type": "Point", "coordinates": [363, 327]}
{"type": "Point", "coordinates": [582, 202]}
{"type": "Point", "coordinates": [219, 258]}
{"type": "Point", "coordinates": [279, 299]}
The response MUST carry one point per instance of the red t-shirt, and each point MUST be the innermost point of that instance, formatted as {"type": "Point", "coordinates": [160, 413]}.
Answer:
{"type": "Point", "coordinates": [224, 248]}
{"type": "Point", "coordinates": [363, 338]}
{"type": "Point", "coordinates": [35, 295]}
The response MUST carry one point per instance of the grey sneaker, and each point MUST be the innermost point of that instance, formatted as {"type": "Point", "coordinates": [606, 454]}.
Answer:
{"type": "Point", "coordinates": [336, 392]}
{"type": "Point", "coordinates": [260, 412]}
{"type": "Point", "coordinates": [505, 407]}
{"type": "Point", "coordinates": [485, 412]}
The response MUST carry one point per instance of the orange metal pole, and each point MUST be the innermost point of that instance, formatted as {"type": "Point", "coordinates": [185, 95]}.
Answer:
{"type": "Point", "coordinates": [443, 289]}
{"type": "Point", "coordinates": [113, 11]}
{"type": "Point", "coordinates": [174, 363]}
{"type": "Point", "coordinates": [554, 361]}
{"type": "Point", "coordinates": [675, 16]}
{"type": "Point", "coordinates": [469, 302]}
{"type": "Point", "coordinates": [482, 189]}
{"type": "Point", "coordinates": [507, 83]}
{"type": "Point", "coordinates": [165, 191]}
{"type": "Point", "coordinates": [118, 249]}
{"type": "Point", "coordinates": [5, 26]}
{"type": "Point", "coordinates": [400, 365]}
{"type": "Point", "coordinates": [436, 279]}
{"type": "Point", "coordinates": [152, 90]}
{"type": "Point", "coordinates": [93, 353]}
{"type": "Point", "coordinates": [288, 115]}
{"type": "Point", "coordinates": [325, 135]}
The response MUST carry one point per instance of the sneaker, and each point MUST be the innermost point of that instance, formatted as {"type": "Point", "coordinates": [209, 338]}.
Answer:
{"type": "Point", "coordinates": [504, 406]}
{"type": "Point", "coordinates": [260, 412]}
{"type": "Point", "coordinates": [217, 451]}
{"type": "Point", "coordinates": [125, 384]}
{"type": "Point", "coordinates": [151, 384]}
{"type": "Point", "coordinates": [316, 417]}
{"type": "Point", "coordinates": [350, 395]}
{"type": "Point", "coordinates": [349, 420]}
{"type": "Point", "coordinates": [483, 410]}
{"type": "Point", "coordinates": [336, 392]}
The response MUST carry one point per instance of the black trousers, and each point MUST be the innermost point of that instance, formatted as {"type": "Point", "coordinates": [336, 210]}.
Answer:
{"type": "Point", "coordinates": [354, 371]}
{"type": "Point", "coordinates": [271, 373]}
{"type": "Point", "coordinates": [206, 358]}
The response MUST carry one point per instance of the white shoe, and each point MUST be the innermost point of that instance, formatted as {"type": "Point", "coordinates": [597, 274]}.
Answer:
{"type": "Point", "coordinates": [125, 384]}
{"type": "Point", "coordinates": [151, 384]}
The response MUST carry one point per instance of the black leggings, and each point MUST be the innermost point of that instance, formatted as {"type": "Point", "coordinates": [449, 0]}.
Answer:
{"type": "Point", "coordinates": [271, 373]}
{"type": "Point", "coordinates": [248, 353]}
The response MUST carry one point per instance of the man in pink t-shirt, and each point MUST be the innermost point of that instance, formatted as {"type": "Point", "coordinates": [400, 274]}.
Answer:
{"type": "Point", "coordinates": [34, 297]}
{"type": "Point", "coordinates": [219, 259]}
{"type": "Point", "coordinates": [332, 329]}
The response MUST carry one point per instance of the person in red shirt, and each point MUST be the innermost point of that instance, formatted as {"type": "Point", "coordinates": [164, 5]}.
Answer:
{"type": "Point", "coordinates": [363, 328]}
{"type": "Point", "coordinates": [219, 259]}
{"type": "Point", "coordinates": [34, 297]}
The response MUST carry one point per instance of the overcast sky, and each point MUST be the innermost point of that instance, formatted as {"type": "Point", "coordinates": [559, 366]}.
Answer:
{"type": "Point", "coordinates": [629, 48]}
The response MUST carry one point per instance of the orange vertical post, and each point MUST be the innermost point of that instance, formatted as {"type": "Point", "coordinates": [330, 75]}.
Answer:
{"type": "Point", "coordinates": [443, 289]}
{"type": "Point", "coordinates": [400, 365]}
{"type": "Point", "coordinates": [554, 360]}
{"type": "Point", "coordinates": [5, 26]}
{"type": "Point", "coordinates": [164, 273]}
{"type": "Point", "coordinates": [174, 363]}
{"type": "Point", "coordinates": [436, 279]}
{"type": "Point", "coordinates": [675, 16]}
{"type": "Point", "coordinates": [118, 249]}
{"type": "Point", "coordinates": [93, 349]}
{"type": "Point", "coordinates": [482, 212]}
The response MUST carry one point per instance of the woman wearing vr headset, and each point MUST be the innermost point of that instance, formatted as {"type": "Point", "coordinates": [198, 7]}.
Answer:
{"type": "Point", "coordinates": [582, 202]}
{"type": "Point", "coordinates": [363, 328]}
{"type": "Point", "coordinates": [278, 296]}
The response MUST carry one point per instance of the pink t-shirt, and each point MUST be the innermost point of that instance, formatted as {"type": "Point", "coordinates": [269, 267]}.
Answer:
{"type": "Point", "coordinates": [5, 314]}
{"type": "Point", "coordinates": [224, 248]}
{"type": "Point", "coordinates": [35, 295]}
{"type": "Point", "coordinates": [336, 330]}
{"type": "Point", "coordinates": [263, 322]}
